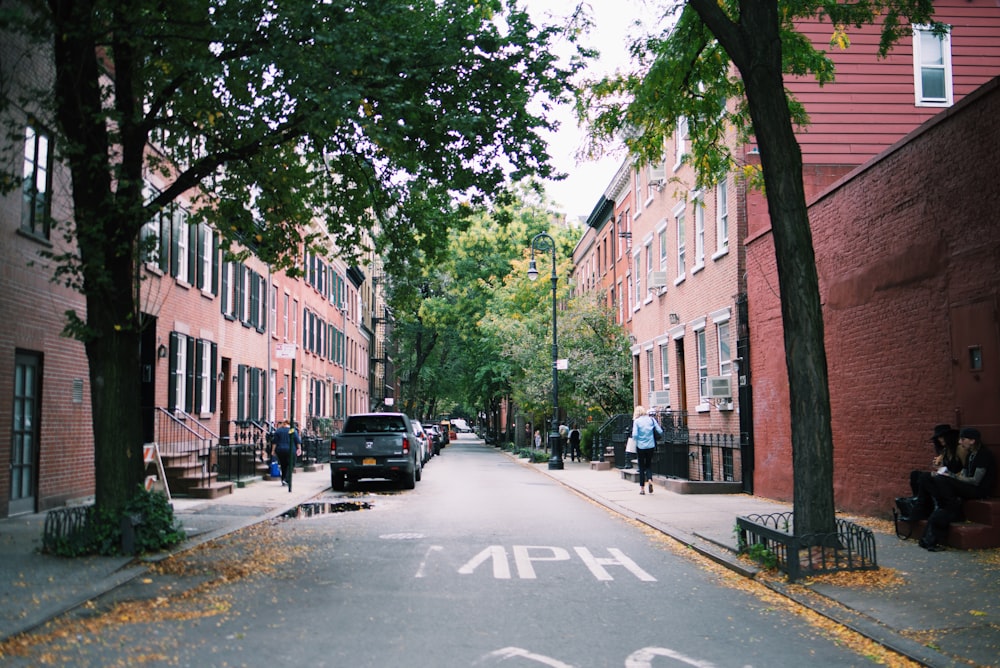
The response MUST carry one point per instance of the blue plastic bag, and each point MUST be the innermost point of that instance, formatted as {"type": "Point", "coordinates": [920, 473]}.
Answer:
{"type": "Point", "coordinates": [275, 469]}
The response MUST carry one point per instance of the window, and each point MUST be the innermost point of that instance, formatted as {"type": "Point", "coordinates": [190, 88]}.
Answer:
{"type": "Point", "coordinates": [721, 218]}
{"type": "Point", "coordinates": [664, 366]}
{"type": "Point", "coordinates": [932, 68]}
{"type": "Point", "coordinates": [680, 141]}
{"type": "Point", "coordinates": [204, 377]}
{"type": "Point", "coordinates": [295, 319]}
{"type": "Point", "coordinates": [638, 277]}
{"type": "Point", "coordinates": [681, 242]}
{"type": "Point", "coordinates": [179, 266]}
{"type": "Point", "coordinates": [284, 318]}
{"type": "Point", "coordinates": [637, 189]}
{"type": "Point", "coordinates": [702, 364]}
{"type": "Point", "coordinates": [37, 183]}
{"type": "Point", "coordinates": [180, 397]}
{"type": "Point", "coordinates": [699, 230]}
{"type": "Point", "coordinates": [207, 265]}
{"type": "Point", "coordinates": [652, 370]}
{"type": "Point", "coordinates": [274, 310]}
{"type": "Point", "coordinates": [657, 177]}
{"type": "Point", "coordinates": [725, 351]}
{"type": "Point", "coordinates": [662, 239]}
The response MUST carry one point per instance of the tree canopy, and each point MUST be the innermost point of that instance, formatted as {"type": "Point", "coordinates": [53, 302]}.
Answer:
{"type": "Point", "coordinates": [721, 66]}
{"type": "Point", "coordinates": [266, 116]}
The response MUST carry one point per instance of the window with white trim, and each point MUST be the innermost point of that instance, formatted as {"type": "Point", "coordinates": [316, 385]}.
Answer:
{"type": "Point", "coordinates": [652, 370]}
{"type": "Point", "coordinates": [700, 342]}
{"type": "Point", "coordinates": [721, 218]}
{"type": "Point", "coordinates": [699, 229]}
{"type": "Point", "coordinates": [637, 189]}
{"type": "Point", "coordinates": [932, 77]}
{"type": "Point", "coordinates": [636, 262]}
{"type": "Point", "coordinates": [664, 366]}
{"type": "Point", "coordinates": [661, 238]}
{"type": "Point", "coordinates": [725, 349]}
{"type": "Point", "coordinates": [681, 241]}
{"type": "Point", "coordinates": [680, 141]}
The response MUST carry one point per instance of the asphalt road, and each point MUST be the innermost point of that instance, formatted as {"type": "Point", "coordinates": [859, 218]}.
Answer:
{"type": "Point", "coordinates": [486, 563]}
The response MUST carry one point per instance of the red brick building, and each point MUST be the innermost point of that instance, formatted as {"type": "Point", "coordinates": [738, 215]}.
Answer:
{"type": "Point", "coordinates": [908, 262]}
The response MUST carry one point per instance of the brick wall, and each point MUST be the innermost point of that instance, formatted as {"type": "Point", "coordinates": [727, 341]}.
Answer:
{"type": "Point", "coordinates": [899, 243]}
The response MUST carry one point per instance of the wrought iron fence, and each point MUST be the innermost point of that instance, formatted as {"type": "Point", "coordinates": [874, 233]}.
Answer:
{"type": "Point", "coordinates": [680, 453]}
{"type": "Point", "coordinates": [243, 454]}
{"type": "Point", "coordinates": [770, 540]}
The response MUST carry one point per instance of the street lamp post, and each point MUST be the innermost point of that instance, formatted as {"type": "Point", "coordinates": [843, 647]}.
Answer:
{"type": "Point", "coordinates": [548, 243]}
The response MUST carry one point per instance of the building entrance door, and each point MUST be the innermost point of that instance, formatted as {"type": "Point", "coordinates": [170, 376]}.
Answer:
{"type": "Point", "coordinates": [975, 354]}
{"type": "Point", "coordinates": [24, 441]}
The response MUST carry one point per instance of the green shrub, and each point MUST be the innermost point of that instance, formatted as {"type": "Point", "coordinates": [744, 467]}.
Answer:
{"type": "Point", "coordinates": [155, 530]}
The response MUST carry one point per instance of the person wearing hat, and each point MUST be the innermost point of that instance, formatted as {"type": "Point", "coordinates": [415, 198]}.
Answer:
{"type": "Point", "coordinates": [974, 481]}
{"type": "Point", "coordinates": [946, 456]}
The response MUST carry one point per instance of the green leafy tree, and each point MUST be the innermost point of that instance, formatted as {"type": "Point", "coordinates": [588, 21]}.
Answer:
{"type": "Point", "coordinates": [271, 115]}
{"type": "Point", "coordinates": [738, 51]}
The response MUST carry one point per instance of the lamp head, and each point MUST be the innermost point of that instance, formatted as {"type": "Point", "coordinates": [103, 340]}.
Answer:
{"type": "Point", "coordinates": [532, 270]}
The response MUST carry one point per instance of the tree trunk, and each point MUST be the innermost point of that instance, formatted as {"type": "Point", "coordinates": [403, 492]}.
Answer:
{"type": "Point", "coordinates": [760, 65]}
{"type": "Point", "coordinates": [106, 245]}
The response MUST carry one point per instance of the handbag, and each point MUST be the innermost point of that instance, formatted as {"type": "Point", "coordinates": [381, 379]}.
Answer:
{"type": "Point", "coordinates": [630, 445]}
{"type": "Point", "coordinates": [275, 471]}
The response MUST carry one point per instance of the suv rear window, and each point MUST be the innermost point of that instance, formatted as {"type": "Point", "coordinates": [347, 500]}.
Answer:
{"type": "Point", "coordinates": [374, 423]}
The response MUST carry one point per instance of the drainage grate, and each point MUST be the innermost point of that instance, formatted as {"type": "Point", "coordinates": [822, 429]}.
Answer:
{"type": "Point", "coordinates": [312, 509]}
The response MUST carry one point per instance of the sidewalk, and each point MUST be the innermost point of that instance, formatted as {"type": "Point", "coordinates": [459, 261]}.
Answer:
{"type": "Point", "coordinates": [36, 587]}
{"type": "Point", "coordinates": [947, 600]}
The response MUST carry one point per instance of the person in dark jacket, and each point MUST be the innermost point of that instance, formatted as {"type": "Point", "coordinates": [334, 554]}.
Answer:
{"type": "Point", "coordinates": [946, 456]}
{"type": "Point", "coordinates": [974, 481]}
{"type": "Point", "coordinates": [281, 442]}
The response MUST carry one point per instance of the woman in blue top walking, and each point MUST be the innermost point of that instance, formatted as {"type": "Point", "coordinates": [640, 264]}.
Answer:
{"type": "Point", "coordinates": [645, 430]}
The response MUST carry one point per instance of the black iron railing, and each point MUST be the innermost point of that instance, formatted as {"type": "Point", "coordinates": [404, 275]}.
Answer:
{"type": "Point", "coordinates": [770, 540]}
{"type": "Point", "coordinates": [187, 448]}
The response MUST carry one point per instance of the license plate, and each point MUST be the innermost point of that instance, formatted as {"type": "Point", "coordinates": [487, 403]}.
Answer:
{"type": "Point", "coordinates": [368, 461]}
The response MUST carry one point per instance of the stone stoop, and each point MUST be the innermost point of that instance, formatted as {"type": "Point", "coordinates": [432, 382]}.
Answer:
{"type": "Point", "coordinates": [979, 531]}
{"type": "Point", "coordinates": [681, 486]}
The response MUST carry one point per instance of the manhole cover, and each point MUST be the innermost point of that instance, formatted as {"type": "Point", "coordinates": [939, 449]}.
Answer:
{"type": "Point", "coordinates": [312, 509]}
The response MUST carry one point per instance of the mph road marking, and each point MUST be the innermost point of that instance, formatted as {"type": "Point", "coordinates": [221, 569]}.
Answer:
{"type": "Point", "coordinates": [525, 556]}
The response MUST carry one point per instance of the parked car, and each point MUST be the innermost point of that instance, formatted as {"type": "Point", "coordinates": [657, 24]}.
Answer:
{"type": "Point", "coordinates": [375, 445]}
{"type": "Point", "coordinates": [436, 440]}
{"type": "Point", "coordinates": [426, 449]}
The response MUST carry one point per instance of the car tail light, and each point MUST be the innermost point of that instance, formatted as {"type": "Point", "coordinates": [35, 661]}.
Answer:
{"type": "Point", "coordinates": [406, 445]}
{"type": "Point", "coordinates": [333, 447]}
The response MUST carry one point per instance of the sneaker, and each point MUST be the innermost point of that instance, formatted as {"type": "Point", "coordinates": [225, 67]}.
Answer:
{"type": "Point", "coordinates": [651, 487]}
{"type": "Point", "coordinates": [642, 490]}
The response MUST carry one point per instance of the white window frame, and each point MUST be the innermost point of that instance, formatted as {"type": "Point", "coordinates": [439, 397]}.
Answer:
{"type": "Point", "coordinates": [698, 200]}
{"type": "Point", "coordinates": [207, 259]}
{"type": "Point", "coordinates": [680, 141]}
{"type": "Point", "coordinates": [665, 365]}
{"type": "Point", "coordinates": [722, 332]}
{"type": "Point", "coordinates": [679, 212]}
{"type": "Point", "coordinates": [651, 369]}
{"type": "Point", "coordinates": [203, 348]}
{"type": "Point", "coordinates": [183, 239]}
{"type": "Point", "coordinates": [940, 62]}
{"type": "Point", "coordinates": [637, 278]}
{"type": "Point", "coordinates": [180, 371]}
{"type": "Point", "coordinates": [721, 219]}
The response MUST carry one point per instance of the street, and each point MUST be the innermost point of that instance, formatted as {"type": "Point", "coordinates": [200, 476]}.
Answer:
{"type": "Point", "coordinates": [485, 563]}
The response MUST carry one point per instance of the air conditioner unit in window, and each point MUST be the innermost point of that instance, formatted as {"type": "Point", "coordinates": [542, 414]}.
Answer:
{"type": "Point", "coordinates": [338, 388]}
{"type": "Point", "coordinates": [659, 399]}
{"type": "Point", "coordinates": [720, 387]}
{"type": "Point", "coordinates": [657, 280]}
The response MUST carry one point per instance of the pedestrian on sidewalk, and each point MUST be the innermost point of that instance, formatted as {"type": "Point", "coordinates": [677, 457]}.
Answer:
{"type": "Point", "coordinates": [574, 444]}
{"type": "Point", "coordinates": [645, 430]}
{"type": "Point", "coordinates": [282, 444]}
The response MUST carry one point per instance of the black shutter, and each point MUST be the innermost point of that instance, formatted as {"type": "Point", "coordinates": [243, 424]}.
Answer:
{"type": "Point", "coordinates": [213, 381]}
{"type": "Point", "coordinates": [190, 376]}
{"type": "Point", "coordinates": [172, 372]}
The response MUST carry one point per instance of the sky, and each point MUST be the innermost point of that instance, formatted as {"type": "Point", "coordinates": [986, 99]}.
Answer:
{"type": "Point", "coordinates": [580, 191]}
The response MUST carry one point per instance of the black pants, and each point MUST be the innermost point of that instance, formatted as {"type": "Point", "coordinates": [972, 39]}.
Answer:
{"type": "Point", "coordinates": [283, 457]}
{"type": "Point", "coordinates": [948, 494]}
{"type": "Point", "coordinates": [645, 456]}
{"type": "Point", "coordinates": [574, 450]}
